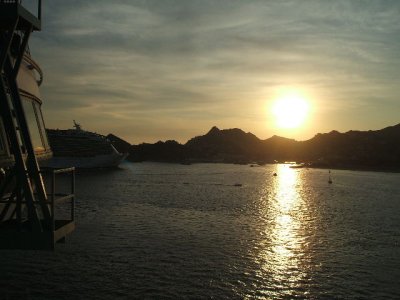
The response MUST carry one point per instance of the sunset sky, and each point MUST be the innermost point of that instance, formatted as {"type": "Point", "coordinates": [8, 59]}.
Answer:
{"type": "Point", "coordinates": [157, 70]}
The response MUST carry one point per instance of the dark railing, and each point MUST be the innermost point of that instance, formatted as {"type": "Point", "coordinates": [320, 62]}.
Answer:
{"type": "Point", "coordinates": [62, 197]}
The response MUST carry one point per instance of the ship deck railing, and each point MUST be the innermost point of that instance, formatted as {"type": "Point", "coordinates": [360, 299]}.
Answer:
{"type": "Point", "coordinates": [59, 226]}
{"type": "Point", "coordinates": [15, 232]}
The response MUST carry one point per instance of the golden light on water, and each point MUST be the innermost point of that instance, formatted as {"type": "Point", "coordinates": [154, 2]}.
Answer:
{"type": "Point", "coordinates": [290, 110]}
{"type": "Point", "coordinates": [283, 251]}
{"type": "Point", "coordinates": [285, 244]}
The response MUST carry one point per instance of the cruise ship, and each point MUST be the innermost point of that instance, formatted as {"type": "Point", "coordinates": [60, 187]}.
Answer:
{"type": "Point", "coordinates": [81, 149]}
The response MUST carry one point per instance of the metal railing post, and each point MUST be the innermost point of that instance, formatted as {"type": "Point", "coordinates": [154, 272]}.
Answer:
{"type": "Point", "coordinates": [40, 10]}
{"type": "Point", "coordinates": [19, 207]}
{"type": "Point", "coordinates": [73, 193]}
{"type": "Point", "coordinates": [53, 192]}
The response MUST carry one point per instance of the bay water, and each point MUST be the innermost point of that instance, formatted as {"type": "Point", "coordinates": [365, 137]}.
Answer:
{"type": "Point", "coordinates": [220, 231]}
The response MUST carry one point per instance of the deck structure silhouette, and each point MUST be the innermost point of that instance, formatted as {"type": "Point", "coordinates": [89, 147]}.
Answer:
{"type": "Point", "coordinates": [27, 211]}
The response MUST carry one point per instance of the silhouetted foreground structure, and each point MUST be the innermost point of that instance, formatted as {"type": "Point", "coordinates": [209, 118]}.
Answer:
{"type": "Point", "coordinates": [378, 149]}
{"type": "Point", "coordinates": [27, 212]}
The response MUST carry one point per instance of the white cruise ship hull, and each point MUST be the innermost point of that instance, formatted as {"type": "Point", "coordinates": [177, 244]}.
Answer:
{"type": "Point", "coordinates": [99, 161]}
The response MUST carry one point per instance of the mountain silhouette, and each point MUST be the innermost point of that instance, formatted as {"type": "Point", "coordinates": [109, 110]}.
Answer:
{"type": "Point", "coordinates": [379, 149]}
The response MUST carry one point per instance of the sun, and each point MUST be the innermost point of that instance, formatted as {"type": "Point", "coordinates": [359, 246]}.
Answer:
{"type": "Point", "coordinates": [290, 110]}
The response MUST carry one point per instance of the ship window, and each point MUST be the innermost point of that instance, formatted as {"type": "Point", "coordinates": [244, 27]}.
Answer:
{"type": "Point", "coordinates": [41, 125]}
{"type": "Point", "coordinates": [19, 136]}
{"type": "Point", "coordinates": [33, 125]}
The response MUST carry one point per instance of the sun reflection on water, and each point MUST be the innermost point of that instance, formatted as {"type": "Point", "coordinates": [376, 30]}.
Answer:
{"type": "Point", "coordinates": [283, 249]}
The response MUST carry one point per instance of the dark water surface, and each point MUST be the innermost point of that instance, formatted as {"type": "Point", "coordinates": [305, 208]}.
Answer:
{"type": "Point", "coordinates": [172, 231]}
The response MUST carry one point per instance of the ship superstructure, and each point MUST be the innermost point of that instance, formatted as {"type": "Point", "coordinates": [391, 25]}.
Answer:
{"type": "Point", "coordinates": [27, 210]}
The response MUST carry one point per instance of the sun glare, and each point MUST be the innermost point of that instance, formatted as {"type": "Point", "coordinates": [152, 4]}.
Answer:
{"type": "Point", "coordinates": [290, 110]}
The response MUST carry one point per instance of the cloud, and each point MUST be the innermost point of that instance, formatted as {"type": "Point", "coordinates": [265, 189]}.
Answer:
{"type": "Point", "coordinates": [184, 64]}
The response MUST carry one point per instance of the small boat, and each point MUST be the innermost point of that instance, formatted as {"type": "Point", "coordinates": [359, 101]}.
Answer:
{"type": "Point", "coordinates": [274, 174]}
{"type": "Point", "coordinates": [297, 166]}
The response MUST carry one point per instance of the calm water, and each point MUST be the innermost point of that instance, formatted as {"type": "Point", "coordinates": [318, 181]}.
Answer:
{"type": "Point", "coordinates": [172, 231]}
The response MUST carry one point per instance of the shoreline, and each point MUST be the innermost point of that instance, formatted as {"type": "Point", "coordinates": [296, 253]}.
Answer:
{"type": "Point", "coordinates": [361, 169]}
{"type": "Point", "coordinates": [345, 168]}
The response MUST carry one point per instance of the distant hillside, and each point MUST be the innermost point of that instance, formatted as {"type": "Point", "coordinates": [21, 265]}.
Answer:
{"type": "Point", "coordinates": [279, 148]}
{"type": "Point", "coordinates": [230, 145]}
{"type": "Point", "coordinates": [378, 149]}
{"type": "Point", "coordinates": [169, 151]}
{"type": "Point", "coordinates": [371, 149]}
{"type": "Point", "coordinates": [237, 146]}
